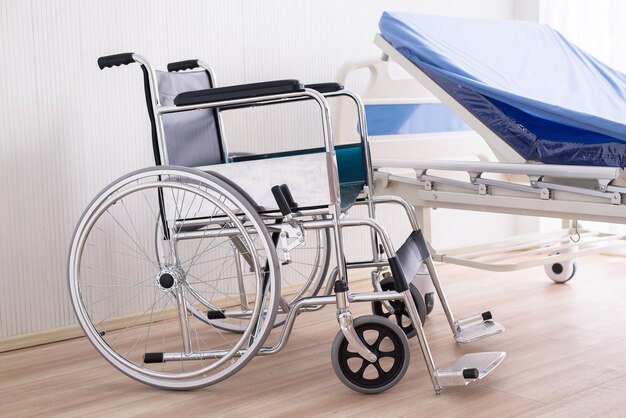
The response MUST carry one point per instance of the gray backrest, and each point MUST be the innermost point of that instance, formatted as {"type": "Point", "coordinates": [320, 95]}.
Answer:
{"type": "Point", "coordinates": [192, 137]}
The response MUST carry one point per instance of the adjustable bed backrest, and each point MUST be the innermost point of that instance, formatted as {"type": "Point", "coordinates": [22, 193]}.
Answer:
{"type": "Point", "coordinates": [529, 92]}
{"type": "Point", "coordinates": [193, 138]}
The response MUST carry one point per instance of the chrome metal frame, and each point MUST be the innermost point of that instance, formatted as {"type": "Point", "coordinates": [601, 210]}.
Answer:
{"type": "Point", "coordinates": [336, 221]}
{"type": "Point", "coordinates": [334, 209]}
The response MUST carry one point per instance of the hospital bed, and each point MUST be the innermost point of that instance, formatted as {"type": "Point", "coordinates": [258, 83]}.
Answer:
{"type": "Point", "coordinates": [551, 115]}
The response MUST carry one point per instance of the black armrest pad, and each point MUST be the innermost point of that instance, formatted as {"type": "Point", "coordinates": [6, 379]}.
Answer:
{"type": "Point", "coordinates": [242, 91]}
{"type": "Point", "coordinates": [325, 87]}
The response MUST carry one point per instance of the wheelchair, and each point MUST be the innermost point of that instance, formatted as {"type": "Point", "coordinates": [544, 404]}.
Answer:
{"type": "Point", "coordinates": [179, 272]}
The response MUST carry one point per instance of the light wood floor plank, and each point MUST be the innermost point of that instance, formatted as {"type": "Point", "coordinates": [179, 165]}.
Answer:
{"type": "Point", "coordinates": [566, 348]}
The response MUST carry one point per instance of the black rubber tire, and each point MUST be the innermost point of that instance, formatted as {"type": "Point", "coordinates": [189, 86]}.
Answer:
{"type": "Point", "coordinates": [429, 299]}
{"type": "Point", "coordinates": [400, 312]}
{"type": "Point", "coordinates": [385, 379]}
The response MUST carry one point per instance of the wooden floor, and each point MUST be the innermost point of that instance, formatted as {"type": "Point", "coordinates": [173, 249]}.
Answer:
{"type": "Point", "coordinates": [566, 348]}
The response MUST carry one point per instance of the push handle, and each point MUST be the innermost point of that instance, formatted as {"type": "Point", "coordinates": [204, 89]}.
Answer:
{"type": "Point", "coordinates": [115, 60]}
{"type": "Point", "coordinates": [287, 193]}
{"type": "Point", "coordinates": [283, 205]}
{"type": "Point", "coordinates": [182, 65]}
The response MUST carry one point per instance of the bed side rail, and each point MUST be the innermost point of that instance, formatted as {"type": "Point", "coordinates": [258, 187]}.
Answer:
{"type": "Point", "coordinates": [551, 170]}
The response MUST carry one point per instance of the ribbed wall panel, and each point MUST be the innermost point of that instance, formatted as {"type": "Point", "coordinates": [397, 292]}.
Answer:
{"type": "Point", "coordinates": [68, 129]}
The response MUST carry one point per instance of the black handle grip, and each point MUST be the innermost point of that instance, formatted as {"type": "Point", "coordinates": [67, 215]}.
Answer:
{"type": "Point", "coordinates": [182, 65]}
{"type": "Point", "coordinates": [281, 200]}
{"type": "Point", "coordinates": [115, 60]}
{"type": "Point", "coordinates": [287, 193]}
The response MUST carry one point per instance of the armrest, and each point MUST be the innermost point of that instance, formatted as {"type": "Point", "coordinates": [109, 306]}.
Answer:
{"type": "Point", "coordinates": [325, 87]}
{"type": "Point", "coordinates": [242, 91]}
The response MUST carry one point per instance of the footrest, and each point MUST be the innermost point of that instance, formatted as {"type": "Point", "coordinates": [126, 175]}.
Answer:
{"type": "Point", "coordinates": [476, 327]}
{"type": "Point", "coordinates": [469, 368]}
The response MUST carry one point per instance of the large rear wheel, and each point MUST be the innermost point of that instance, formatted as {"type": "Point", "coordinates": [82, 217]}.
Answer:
{"type": "Point", "coordinates": [133, 294]}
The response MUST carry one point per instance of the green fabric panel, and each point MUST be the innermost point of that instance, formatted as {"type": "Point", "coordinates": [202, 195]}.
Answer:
{"type": "Point", "coordinates": [350, 163]}
{"type": "Point", "coordinates": [348, 192]}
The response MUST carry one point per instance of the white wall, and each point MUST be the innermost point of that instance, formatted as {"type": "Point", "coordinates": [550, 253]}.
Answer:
{"type": "Point", "coordinates": [527, 10]}
{"type": "Point", "coordinates": [67, 129]}
{"type": "Point", "coordinates": [597, 27]}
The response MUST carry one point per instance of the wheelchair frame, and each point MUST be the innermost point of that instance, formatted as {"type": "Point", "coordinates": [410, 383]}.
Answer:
{"type": "Point", "coordinates": [404, 264]}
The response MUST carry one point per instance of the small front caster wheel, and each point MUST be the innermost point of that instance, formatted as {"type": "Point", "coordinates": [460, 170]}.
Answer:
{"type": "Point", "coordinates": [400, 314]}
{"type": "Point", "coordinates": [383, 338]}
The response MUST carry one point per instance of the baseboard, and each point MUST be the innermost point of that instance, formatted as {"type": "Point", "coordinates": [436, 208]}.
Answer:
{"type": "Point", "coordinates": [32, 339]}
{"type": "Point", "coordinates": [48, 336]}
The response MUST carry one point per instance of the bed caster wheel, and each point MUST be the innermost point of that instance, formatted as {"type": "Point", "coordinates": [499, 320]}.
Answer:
{"type": "Point", "coordinates": [561, 272]}
{"type": "Point", "coordinates": [381, 337]}
{"type": "Point", "coordinates": [400, 315]}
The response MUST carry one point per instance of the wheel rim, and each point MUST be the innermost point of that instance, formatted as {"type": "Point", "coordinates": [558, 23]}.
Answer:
{"type": "Point", "coordinates": [386, 345]}
{"type": "Point", "coordinates": [190, 269]}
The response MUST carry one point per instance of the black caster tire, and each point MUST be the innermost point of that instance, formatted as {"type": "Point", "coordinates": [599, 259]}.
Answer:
{"type": "Point", "coordinates": [383, 338]}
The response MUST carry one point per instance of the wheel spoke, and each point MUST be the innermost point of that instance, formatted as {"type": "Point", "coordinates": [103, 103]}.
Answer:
{"type": "Point", "coordinates": [135, 320]}
{"type": "Point", "coordinates": [359, 373]}
{"type": "Point", "coordinates": [382, 375]}
{"type": "Point", "coordinates": [381, 336]}
{"type": "Point", "coordinates": [349, 354]}
{"type": "Point", "coordinates": [399, 317]}
{"type": "Point", "coordinates": [139, 246]}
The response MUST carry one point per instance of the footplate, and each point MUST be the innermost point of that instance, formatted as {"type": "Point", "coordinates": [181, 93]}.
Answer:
{"type": "Point", "coordinates": [469, 368]}
{"type": "Point", "coordinates": [476, 327]}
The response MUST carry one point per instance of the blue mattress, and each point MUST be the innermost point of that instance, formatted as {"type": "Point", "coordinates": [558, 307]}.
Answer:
{"type": "Point", "coordinates": [545, 97]}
